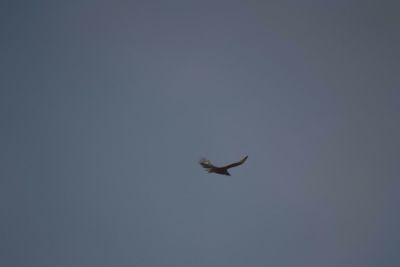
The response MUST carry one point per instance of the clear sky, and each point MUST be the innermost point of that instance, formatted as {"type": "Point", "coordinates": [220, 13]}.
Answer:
{"type": "Point", "coordinates": [107, 106]}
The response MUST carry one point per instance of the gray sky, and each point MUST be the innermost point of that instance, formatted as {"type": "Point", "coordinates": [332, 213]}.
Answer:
{"type": "Point", "coordinates": [106, 107]}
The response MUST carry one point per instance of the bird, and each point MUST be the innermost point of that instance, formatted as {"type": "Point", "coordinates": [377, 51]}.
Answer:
{"type": "Point", "coordinates": [206, 164]}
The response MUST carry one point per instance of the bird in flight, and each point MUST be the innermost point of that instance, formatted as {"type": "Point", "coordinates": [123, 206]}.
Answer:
{"type": "Point", "coordinates": [220, 170]}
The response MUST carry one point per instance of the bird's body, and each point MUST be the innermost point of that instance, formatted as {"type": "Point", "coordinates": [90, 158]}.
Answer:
{"type": "Point", "coordinates": [220, 170]}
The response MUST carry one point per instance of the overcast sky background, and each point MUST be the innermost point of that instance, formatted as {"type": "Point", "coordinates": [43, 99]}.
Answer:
{"type": "Point", "coordinates": [107, 106]}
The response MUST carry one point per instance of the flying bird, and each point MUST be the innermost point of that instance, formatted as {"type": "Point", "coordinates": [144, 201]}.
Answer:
{"type": "Point", "coordinates": [220, 170]}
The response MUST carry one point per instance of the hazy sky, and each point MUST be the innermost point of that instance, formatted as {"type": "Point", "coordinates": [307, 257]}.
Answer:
{"type": "Point", "coordinates": [107, 106]}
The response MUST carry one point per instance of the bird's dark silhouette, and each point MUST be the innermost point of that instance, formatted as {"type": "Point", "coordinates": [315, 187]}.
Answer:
{"type": "Point", "coordinates": [220, 170]}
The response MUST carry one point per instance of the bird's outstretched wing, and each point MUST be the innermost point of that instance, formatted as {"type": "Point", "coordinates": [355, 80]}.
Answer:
{"type": "Point", "coordinates": [235, 164]}
{"type": "Point", "coordinates": [206, 164]}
